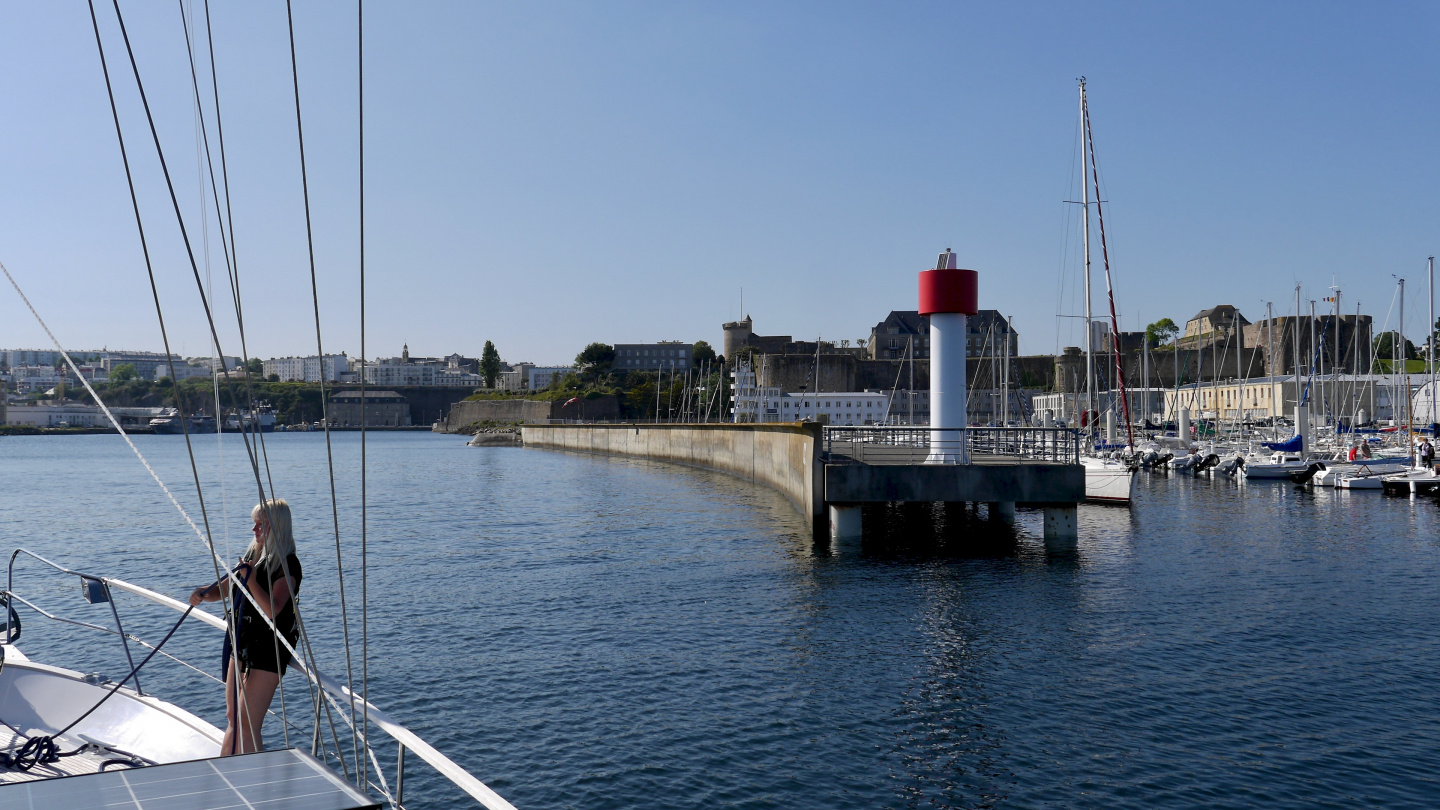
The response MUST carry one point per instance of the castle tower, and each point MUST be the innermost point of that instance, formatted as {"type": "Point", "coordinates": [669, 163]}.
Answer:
{"type": "Point", "coordinates": [737, 334]}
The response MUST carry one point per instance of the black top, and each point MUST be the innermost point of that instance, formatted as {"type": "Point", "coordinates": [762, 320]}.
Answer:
{"type": "Point", "coordinates": [257, 647]}
{"type": "Point", "coordinates": [285, 619]}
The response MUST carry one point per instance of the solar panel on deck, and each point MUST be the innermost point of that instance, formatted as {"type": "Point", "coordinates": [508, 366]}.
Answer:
{"type": "Point", "coordinates": [268, 780]}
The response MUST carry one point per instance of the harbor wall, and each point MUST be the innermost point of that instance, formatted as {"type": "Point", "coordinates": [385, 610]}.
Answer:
{"type": "Point", "coordinates": [782, 456]}
{"type": "Point", "coordinates": [527, 411]}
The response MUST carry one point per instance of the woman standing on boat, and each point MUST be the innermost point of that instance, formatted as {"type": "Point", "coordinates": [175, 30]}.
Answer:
{"type": "Point", "coordinates": [271, 573]}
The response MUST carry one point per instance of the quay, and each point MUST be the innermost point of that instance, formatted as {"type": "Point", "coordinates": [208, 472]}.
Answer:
{"type": "Point", "coordinates": [830, 473]}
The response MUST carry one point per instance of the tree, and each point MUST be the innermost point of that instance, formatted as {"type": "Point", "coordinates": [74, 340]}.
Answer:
{"type": "Point", "coordinates": [1161, 332]}
{"type": "Point", "coordinates": [1385, 347]}
{"type": "Point", "coordinates": [123, 373]}
{"type": "Point", "coordinates": [703, 353]}
{"type": "Point", "coordinates": [256, 366]}
{"type": "Point", "coordinates": [595, 359]}
{"type": "Point", "coordinates": [274, 378]}
{"type": "Point", "coordinates": [490, 364]}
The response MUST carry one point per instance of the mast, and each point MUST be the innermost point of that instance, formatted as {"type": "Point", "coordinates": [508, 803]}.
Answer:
{"type": "Point", "coordinates": [1270, 372]}
{"type": "Point", "coordinates": [1404, 362]}
{"type": "Point", "coordinates": [1240, 374]}
{"type": "Point", "coordinates": [912, 381]}
{"type": "Point", "coordinates": [1314, 377]}
{"type": "Point", "coordinates": [1297, 359]}
{"type": "Point", "coordinates": [1430, 340]}
{"type": "Point", "coordinates": [1085, 219]}
{"type": "Point", "coordinates": [1005, 380]}
{"type": "Point", "coordinates": [1335, 368]}
{"type": "Point", "coordinates": [1145, 408]}
{"type": "Point", "coordinates": [1109, 285]}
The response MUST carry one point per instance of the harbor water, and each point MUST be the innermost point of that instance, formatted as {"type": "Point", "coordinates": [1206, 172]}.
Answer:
{"type": "Point", "coordinates": [593, 632]}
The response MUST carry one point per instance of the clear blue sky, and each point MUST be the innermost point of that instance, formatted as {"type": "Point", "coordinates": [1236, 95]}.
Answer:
{"type": "Point", "coordinates": [544, 175]}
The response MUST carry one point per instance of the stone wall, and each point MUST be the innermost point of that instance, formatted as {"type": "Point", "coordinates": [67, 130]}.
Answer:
{"type": "Point", "coordinates": [528, 411]}
{"type": "Point", "coordinates": [785, 457]}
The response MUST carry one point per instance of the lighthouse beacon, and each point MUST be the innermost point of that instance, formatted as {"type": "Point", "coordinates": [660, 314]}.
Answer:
{"type": "Point", "coordinates": [948, 295]}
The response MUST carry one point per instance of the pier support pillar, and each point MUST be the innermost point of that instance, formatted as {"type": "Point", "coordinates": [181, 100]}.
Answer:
{"type": "Point", "coordinates": [844, 521]}
{"type": "Point", "coordinates": [1003, 511]}
{"type": "Point", "coordinates": [1060, 525]}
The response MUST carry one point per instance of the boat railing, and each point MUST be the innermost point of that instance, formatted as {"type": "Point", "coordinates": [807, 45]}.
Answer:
{"type": "Point", "coordinates": [97, 588]}
{"type": "Point", "coordinates": [899, 444]}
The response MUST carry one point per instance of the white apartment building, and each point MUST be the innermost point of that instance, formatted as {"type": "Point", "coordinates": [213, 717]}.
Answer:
{"type": "Point", "coordinates": [307, 369]}
{"type": "Point", "coordinates": [55, 416]}
{"type": "Point", "coordinates": [769, 404]}
{"type": "Point", "coordinates": [183, 371]}
{"type": "Point", "coordinates": [46, 357]}
{"type": "Point", "coordinates": [542, 376]}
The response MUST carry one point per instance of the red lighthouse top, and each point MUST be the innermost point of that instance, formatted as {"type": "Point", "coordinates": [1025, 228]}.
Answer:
{"type": "Point", "coordinates": [949, 289]}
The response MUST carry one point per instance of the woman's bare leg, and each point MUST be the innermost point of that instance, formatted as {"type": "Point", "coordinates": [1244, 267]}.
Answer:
{"type": "Point", "coordinates": [248, 694]}
{"type": "Point", "coordinates": [257, 689]}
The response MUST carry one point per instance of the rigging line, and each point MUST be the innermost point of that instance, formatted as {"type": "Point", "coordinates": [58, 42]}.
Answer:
{"type": "Point", "coordinates": [175, 203]}
{"type": "Point", "coordinates": [203, 139]}
{"type": "Point", "coordinates": [169, 184]}
{"type": "Point", "coordinates": [207, 536]}
{"type": "Point", "coordinates": [364, 503]}
{"type": "Point", "coordinates": [231, 270]}
{"type": "Point", "coordinates": [232, 256]}
{"type": "Point", "coordinates": [228, 576]}
{"type": "Point", "coordinates": [1109, 288]}
{"type": "Point", "coordinates": [320, 351]}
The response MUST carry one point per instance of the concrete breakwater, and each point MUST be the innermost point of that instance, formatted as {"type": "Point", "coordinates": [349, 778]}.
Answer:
{"type": "Point", "coordinates": [784, 456]}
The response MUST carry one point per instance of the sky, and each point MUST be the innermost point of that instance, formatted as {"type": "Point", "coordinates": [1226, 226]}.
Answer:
{"type": "Point", "coordinates": [544, 175]}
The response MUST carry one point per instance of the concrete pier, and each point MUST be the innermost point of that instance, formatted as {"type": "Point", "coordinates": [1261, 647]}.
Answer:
{"type": "Point", "coordinates": [830, 473]}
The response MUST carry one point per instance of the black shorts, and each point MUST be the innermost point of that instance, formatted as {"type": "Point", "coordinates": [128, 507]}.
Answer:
{"type": "Point", "coordinates": [258, 648]}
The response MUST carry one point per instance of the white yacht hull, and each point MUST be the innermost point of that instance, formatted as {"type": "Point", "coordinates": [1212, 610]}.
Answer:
{"type": "Point", "coordinates": [1108, 482]}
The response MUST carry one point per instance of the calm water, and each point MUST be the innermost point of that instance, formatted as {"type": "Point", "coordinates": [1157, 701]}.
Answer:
{"type": "Point", "coordinates": [591, 632]}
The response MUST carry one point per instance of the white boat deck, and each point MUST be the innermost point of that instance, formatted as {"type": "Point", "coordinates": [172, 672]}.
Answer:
{"type": "Point", "coordinates": [88, 761]}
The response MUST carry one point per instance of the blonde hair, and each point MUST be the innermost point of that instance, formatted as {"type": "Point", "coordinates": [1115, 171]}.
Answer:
{"type": "Point", "coordinates": [278, 542]}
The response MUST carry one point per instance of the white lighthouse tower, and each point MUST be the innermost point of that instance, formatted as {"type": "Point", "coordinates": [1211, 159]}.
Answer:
{"type": "Point", "coordinates": [948, 295]}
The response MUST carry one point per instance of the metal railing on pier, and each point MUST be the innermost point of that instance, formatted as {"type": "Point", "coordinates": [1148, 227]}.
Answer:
{"type": "Point", "coordinates": [887, 444]}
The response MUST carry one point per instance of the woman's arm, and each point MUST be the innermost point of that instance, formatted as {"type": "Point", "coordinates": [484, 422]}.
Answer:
{"type": "Point", "coordinates": [275, 601]}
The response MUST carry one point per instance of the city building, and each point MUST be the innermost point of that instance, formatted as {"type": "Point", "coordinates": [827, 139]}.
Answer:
{"type": "Point", "coordinates": [986, 334]}
{"type": "Point", "coordinates": [381, 409]}
{"type": "Point", "coordinates": [667, 355]}
{"type": "Point", "coordinates": [753, 403]}
{"type": "Point", "coordinates": [12, 358]}
{"type": "Point", "coordinates": [183, 371]}
{"type": "Point", "coordinates": [314, 368]}
{"type": "Point", "coordinates": [144, 362]}
{"type": "Point", "coordinates": [515, 378]}
{"type": "Point", "coordinates": [1354, 398]}
{"type": "Point", "coordinates": [542, 376]}
{"type": "Point", "coordinates": [230, 363]}
{"type": "Point", "coordinates": [49, 415]}
{"type": "Point", "coordinates": [1064, 408]}
{"type": "Point", "coordinates": [29, 379]}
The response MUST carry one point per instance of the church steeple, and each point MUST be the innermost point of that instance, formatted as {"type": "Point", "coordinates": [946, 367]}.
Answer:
{"type": "Point", "coordinates": [405, 355]}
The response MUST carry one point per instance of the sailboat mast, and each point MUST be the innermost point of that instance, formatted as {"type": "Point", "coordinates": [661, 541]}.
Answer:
{"type": "Point", "coordinates": [1297, 359]}
{"type": "Point", "coordinates": [1430, 340]}
{"type": "Point", "coordinates": [1085, 219]}
{"type": "Point", "coordinates": [1335, 367]}
{"type": "Point", "coordinates": [1405, 365]}
{"type": "Point", "coordinates": [1270, 356]}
